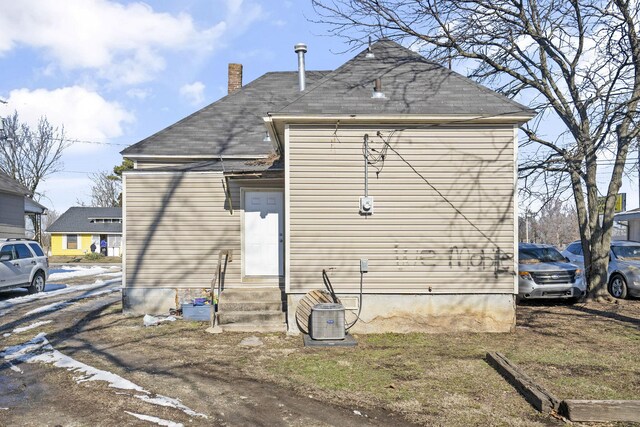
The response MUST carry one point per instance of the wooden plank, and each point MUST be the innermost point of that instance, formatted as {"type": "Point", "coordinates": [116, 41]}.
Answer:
{"type": "Point", "coordinates": [601, 410]}
{"type": "Point", "coordinates": [533, 393]}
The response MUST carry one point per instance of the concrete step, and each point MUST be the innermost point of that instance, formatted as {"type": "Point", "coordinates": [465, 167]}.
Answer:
{"type": "Point", "coordinates": [225, 305]}
{"type": "Point", "coordinates": [270, 294]}
{"type": "Point", "coordinates": [255, 317]}
{"type": "Point", "coordinates": [250, 327]}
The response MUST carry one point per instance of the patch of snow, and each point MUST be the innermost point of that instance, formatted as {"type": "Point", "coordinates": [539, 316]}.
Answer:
{"type": "Point", "coordinates": [4, 409]}
{"type": "Point", "coordinates": [156, 420]}
{"type": "Point", "coordinates": [149, 320]}
{"type": "Point", "coordinates": [14, 368]}
{"type": "Point", "coordinates": [12, 302]}
{"type": "Point", "coordinates": [60, 305]}
{"type": "Point", "coordinates": [170, 402]}
{"type": "Point", "coordinates": [27, 328]}
{"type": "Point", "coordinates": [76, 272]}
{"type": "Point", "coordinates": [38, 349]}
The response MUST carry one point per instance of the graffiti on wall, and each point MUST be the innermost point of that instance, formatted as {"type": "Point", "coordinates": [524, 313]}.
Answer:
{"type": "Point", "coordinates": [456, 258]}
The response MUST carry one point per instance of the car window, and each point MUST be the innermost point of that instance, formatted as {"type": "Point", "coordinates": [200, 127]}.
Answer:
{"type": "Point", "coordinates": [36, 248]}
{"type": "Point", "coordinates": [575, 248]}
{"type": "Point", "coordinates": [8, 250]}
{"type": "Point", "coordinates": [537, 255]}
{"type": "Point", "coordinates": [23, 251]}
{"type": "Point", "coordinates": [627, 252]}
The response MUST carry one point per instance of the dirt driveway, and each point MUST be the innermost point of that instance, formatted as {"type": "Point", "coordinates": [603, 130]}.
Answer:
{"type": "Point", "coordinates": [95, 366]}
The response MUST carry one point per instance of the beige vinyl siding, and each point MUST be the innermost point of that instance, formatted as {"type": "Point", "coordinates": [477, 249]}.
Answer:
{"type": "Point", "coordinates": [175, 225]}
{"type": "Point", "coordinates": [150, 164]}
{"type": "Point", "coordinates": [415, 241]}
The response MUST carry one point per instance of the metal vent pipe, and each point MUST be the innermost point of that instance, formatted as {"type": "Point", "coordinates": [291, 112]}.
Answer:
{"type": "Point", "coordinates": [301, 49]}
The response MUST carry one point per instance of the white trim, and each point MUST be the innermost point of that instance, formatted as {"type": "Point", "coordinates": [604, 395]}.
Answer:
{"type": "Point", "coordinates": [123, 243]}
{"type": "Point", "coordinates": [79, 241]}
{"type": "Point", "coordinates": [64, 242]}
{"type": "Point", "coordinates": [287, 213]}
{"type": "Point", "coordinates": [519, 117]}
{"type": "Point", "coordinates": [515, 210]}
{"type": "Point", "coordinates": [151, 172]}
{"type": "Point", "coordinates": [64, 233]}
{"type": "Point", "coordinates": [243, 190]}
{"type": "Point", "coordinates": [195, 156]}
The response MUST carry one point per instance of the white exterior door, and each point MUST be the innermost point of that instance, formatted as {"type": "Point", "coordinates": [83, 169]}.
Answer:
{"type": "Point", "coordinates": [263, 233]}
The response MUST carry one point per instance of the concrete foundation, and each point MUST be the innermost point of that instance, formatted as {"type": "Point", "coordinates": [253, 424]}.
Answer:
{"type": "Point", "coordinates": [425, 313]}
{"type": "Point", "coordinates": [139, 301]}
{"type": "Point", "coordinates": [380, 312]}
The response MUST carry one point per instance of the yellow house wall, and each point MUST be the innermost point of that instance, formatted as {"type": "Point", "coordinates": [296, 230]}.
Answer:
{"type": "Point", "coordinates": [58, 249]}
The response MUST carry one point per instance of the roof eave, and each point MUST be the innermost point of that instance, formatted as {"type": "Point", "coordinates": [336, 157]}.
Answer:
{"type": "Point", "coordinates": [511, 118]}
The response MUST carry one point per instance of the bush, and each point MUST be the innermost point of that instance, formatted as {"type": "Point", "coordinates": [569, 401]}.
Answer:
{"type": "Point", "coordinates": [93, 256]}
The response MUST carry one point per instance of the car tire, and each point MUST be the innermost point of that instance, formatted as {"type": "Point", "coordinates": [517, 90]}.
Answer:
{"type": "Point", "coordinates": [37, 283]}
{"type": "Point", "coordinates": [618, 287]}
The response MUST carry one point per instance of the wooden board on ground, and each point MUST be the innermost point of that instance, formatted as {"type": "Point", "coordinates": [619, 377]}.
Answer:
{"type": "Point", "coordinates": [601, 410]}
{"type": "Point", "coordinates": [534, 393]}
{"type": "Point", "coordinates": [303, 311]}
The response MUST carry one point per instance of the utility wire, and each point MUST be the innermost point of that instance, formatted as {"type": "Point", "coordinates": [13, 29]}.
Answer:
{"type": "Point", "coordinates": [388, 146]}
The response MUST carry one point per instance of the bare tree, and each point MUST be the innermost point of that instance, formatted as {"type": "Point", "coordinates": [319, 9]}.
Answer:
{"type": "Point", "coordinates": [556, 224]}
{"type": "Point", "coordinates": [577, 61]}
{"type": "Point", "coordinates": [30, 156]}
{"type": "Point", "coordinates": [48, 219]}
{"type": "Point", "coordinates": [105, 190]}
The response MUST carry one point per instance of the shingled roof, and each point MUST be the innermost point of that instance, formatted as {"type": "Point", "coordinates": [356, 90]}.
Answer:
{"type": "Point", "coordinates": [11, 186]}
{"type": "Point", "coordinates": [411, 85]}
{"type": "Point", "coordinates": [234, 126]}
{"type": "Point", "coordinates": [78, 220]}
{"type": "Point", "coordinates": [231, 126]}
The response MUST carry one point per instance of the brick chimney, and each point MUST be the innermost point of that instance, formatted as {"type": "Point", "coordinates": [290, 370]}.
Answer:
{"type": "Point", "coordinates": [235, 77]}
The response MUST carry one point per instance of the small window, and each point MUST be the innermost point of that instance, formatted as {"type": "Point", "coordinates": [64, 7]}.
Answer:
{"type": "Point", "coordinates": [72, 241]}
{"type": "Point", "coordinates": [8, 250]}
{"type": "Point", "coordinates": [36, 249]}
{"type": "Point", "coordinates": [23, 251]}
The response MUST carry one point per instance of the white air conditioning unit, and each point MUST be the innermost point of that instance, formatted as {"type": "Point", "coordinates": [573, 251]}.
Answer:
{"type": "Point", "coordinates": [327, 322]}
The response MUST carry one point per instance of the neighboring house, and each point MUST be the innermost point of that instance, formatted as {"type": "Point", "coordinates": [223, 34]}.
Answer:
{"type": "Point", "coordinates": [15, 203]}
{"type": "Point", "coordinates": [275, 172]}
{"type": "Point", "coordinates": [632, 219]}
{"type": "Point", "coordinates": [79, 227]}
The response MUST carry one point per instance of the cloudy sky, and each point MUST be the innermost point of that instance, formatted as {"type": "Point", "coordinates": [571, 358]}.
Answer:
{"type": "Point", "coordinates": [114, 72]}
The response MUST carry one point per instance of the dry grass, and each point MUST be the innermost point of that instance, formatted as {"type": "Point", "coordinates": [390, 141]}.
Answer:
{"type": "Point", "coordinates": [59, 259]}
{"type": "Point", "coordinates": [587, 352]}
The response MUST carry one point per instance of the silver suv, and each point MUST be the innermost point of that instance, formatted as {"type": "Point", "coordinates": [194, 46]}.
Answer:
{"type": "Point", "coordinates": [624, 266]}
{"type": "Point", "coordinates": [546, 273]}
{"type": "Point", "coordinates": [23, 264]}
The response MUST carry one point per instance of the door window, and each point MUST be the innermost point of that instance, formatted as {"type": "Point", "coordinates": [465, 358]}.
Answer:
{"type": "Point", "coordinates": [23, 251]}
{"type": "Point", "coordinates": [36, 249]}
{"type": "Point", "coordinates": [8, 250]}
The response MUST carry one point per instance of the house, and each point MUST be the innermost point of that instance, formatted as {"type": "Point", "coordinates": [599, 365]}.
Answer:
{"type": "Point", "coordinates": [275, 173]}
{"type": "Point", "coordinates": [79, 227]}
{"type": "Point", "coordinates": [632, 220]}
{"type": "Point", "coordinates": [15, 203]}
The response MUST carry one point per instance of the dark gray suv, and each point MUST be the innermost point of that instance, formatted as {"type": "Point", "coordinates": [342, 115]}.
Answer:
{"type": "Point", "coordinates": [23, 264]}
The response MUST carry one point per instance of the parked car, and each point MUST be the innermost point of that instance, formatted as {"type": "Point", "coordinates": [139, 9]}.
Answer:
{"type": "Point", "coordinates": [544, 273]}
{"type": "Point", "coordinates": [23, 264]}
{"type": "Point", "coordinates": [624, 266]}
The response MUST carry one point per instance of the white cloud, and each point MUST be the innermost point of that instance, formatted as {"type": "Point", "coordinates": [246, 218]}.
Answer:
{"type": "Point", "coordinates": [138, 93]}
{"type": "Point", "coordinates": [193, 93]}
{"type": "Point", "coordinates": [84, 114]}
{"type": "Point", "coordinates": [123, 43]}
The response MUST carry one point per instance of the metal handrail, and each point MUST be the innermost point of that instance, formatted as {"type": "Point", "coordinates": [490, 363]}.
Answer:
{"type": "Point", "coordinates": [227, 254]}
